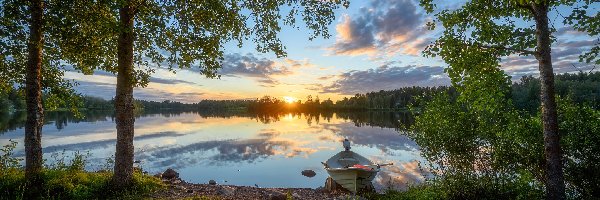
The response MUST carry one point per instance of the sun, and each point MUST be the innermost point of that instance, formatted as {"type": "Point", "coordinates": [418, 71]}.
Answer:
{"type": "Point", "coordinates": [289, 99]}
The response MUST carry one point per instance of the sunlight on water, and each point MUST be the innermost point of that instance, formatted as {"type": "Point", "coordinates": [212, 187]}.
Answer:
{"type": "Point", "coordinates": [240, 149]}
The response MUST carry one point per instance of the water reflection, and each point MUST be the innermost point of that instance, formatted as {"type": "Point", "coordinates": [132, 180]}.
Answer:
{"type": "Point", "coordinates": [244, 148]}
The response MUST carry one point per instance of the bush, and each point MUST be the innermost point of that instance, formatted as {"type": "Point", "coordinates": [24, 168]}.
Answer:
{"type": "Point", "coordinates": [491, 153]}
{"type": "Point", "coordinates": [465, 186]}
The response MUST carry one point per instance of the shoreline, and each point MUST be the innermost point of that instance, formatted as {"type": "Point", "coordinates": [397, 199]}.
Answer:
{"type": "Point", "coordinates": [180, 189]}
{"type": "Point", "coordinates": [176, 188]}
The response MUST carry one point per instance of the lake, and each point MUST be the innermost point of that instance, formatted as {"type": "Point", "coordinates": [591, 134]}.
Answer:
{"type": "Point", "coordinates": [234, 148]}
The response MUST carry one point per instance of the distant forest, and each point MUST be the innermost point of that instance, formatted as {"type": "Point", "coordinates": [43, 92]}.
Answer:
{"type": "Point", "coordinates": [581, 87]}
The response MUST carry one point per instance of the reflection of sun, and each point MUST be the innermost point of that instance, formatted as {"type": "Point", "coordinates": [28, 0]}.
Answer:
{"type": "Point", "coordinates": [289, 99]}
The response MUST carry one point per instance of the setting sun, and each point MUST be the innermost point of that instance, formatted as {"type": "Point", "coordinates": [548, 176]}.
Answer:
{"type": "Point", "coordinates": [289, 99]}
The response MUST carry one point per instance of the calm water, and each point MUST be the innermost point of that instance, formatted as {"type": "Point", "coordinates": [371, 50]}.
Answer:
{"type": "Point", "coordinates": [235, 148]}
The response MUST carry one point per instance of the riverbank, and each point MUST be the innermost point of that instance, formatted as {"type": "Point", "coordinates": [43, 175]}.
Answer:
{"type": "Point", "coordinates": [176, 188]}
{"type": "Point", "coordinates": [179, 189]}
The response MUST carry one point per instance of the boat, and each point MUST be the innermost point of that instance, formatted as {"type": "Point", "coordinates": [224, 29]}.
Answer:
{"type": "Point", "coordinates": [351, 170]}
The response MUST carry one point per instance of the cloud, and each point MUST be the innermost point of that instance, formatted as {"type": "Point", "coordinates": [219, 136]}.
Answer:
{"type": "Point", "coordinates": [568, 31]}
{"type": "Point", "coordinates": [169, 81]}
{"type": "Point", "coordinates": [383, 26]}
{"type": "Point", "coordinates": [387, 78]}
{"type": "Point", "coordinates": [107, 91]}
{"type": "Point", "coordinates": [263, 70]}
{"type": "Point", "coordinates": [251, 66]}
{"type": "Point", "coordinates": [565, 55]}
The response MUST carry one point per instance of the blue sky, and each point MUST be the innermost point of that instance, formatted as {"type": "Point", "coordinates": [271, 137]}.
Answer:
{"type": "Point", "coordinates": [375, 45]}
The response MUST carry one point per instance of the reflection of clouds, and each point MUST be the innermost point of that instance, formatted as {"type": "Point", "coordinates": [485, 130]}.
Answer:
{"type": "Point", "coordinates": [382, 138]}
{"type": "Point", "coordinates": [99, 144]}
{"type": "Point", "coordinates": [198, 141]}
{"type": "Point", "coordinates": [400, 175]}
{"type": "Point", "coordinates": [227, 151]}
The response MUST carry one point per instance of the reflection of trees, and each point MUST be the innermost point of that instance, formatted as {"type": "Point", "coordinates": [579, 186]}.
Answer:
{"type": "Point", "coordinates": [9, 122]}
{"type": "Point", "coordinates": [267, 118]}
{"type": "Point", "coordinates": [395, 120]}
{"type": "Point", "coordinates": [359, 118]}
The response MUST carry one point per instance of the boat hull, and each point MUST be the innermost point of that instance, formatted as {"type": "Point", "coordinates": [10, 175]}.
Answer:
{"type": "Point", "coordinates": [352, 179]}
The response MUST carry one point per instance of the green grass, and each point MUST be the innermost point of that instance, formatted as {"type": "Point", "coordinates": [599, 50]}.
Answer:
{"type": "Point", "coordinates": [67, 180]}
{"type": "Point", "coordinates": [74, 184]}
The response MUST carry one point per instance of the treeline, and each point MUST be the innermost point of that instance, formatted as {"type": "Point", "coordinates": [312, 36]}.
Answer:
{"type": "Point", "coordinates": [399, 99]}
{"type": "Point", "coordinates": [581, 88]}
{"type": "Point", "coordinates": [96, 103]}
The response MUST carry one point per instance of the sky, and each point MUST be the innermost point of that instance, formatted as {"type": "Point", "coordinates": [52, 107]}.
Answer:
{"type": "Point", "coordinates": [375, 45]}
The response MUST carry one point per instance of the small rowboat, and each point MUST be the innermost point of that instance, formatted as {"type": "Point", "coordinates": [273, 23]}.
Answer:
{"type": "Point", "coordinates": [351, 170]}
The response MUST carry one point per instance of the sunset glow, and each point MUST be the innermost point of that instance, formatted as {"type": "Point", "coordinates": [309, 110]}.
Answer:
{"type": "Point", "coordinates": [289, 99]}
{"type": "Point", "coordinates": [368, 51]}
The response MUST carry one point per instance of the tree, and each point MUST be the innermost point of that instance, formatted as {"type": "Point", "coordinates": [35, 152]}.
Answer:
{"type": "Point", "coordinates": [181, 34]}
{"type": "Point", "coordinates": [488, 30]}
{"type": "Point", "coordinates": [27, 40]}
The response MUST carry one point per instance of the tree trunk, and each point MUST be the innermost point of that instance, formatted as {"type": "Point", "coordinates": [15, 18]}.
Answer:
{"type": "Point", "coordinates": [555, 185]}
{"type": "Point", "coordinates": [124, 100]}
{"type": "Point", "coordinates": [33, 87]}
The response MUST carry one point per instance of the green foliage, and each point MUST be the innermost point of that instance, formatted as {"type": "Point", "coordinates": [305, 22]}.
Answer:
{"type": "Point", "coordinates": [582, 88]}
{"type": "Point", "coordinates": [7, 161]}
{"type": "Point", "coordinates": [176, 34]}
{"type": "Point", "coordinates": [63, 180]}
{"type": "Point", "coordinates": [580, 125]}
{"type": "Point", "coordinates": [14, 35]}
{"type": "Point", "coordinates": [505, 149]}
{"type": "Point", "coordinates": [467, 187]}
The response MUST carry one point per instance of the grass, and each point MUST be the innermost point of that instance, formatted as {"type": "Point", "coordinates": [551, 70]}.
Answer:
{"type": "Point", "coordinates": [62, 180]}
{"type": "Point", "coordinates": [74, 184]}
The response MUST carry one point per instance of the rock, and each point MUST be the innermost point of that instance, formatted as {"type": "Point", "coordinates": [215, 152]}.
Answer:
{"type": "Point", "coordinates": [212, 182]}
{"type": "Point", "coordinates": [320, 189]}
{"type": "Point", "coordinates": [170, 174]}
{"type": "Point", "coordinates": [190, 191]}
{"type": "Point", "coordinates": [159, 175]}
{"type": "Point", "coordinates": [226, 191]}
{"type": "Point", "coordinates": [176, 181]}
{"type": "Point", "coordinates": [275, 195]}
{"type": "Point", "coordinates": [179, 187]}
{"type": "Point", "coordinates": [309, 173]}
{"type": "Point", "coordinates": [296, 196]}
{"type": "Point", "coordinates": [349, 196]}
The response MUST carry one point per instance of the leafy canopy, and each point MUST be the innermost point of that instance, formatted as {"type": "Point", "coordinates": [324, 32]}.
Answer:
{"type": "Point", "coordinates": [14, 34]}
{"type": "Point", "coordinates": [183, 34]}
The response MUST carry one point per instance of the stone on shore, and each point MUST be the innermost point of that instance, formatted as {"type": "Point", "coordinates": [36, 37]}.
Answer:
{"type": "Point", "coordinates": [226, 191]}
{"type": "Point", "coordinates": [212, 182]}
{"type": "Point", "coordinates": [309, 173]}
{"type": "Point", "coordinates": [170, 174]}
{"type": "Point", "coordinates": [275, 195]}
